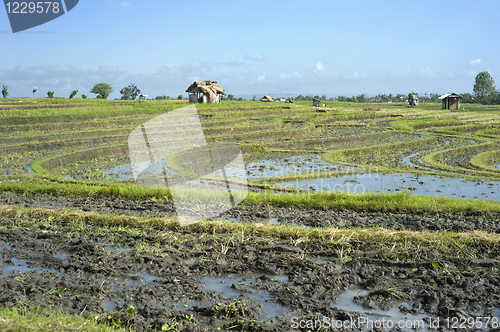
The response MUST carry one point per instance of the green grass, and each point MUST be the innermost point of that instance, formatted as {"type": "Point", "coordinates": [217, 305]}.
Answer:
{"type": "Point", "coordinates": [438, 159]}
{"type": "Point", "coordinates": [410, 125]}
{"type": "Point", "coordinates": [36, 319]}
{"type": "Point", "coordinates": [383, 202]}
{"type": "Point", "coordinates": [487, 160]}
{"type": "Point", "coordinates": [135, 225]}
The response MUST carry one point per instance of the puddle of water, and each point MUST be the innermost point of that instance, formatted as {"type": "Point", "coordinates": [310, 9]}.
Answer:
{"type": "Point", "coordinates": [63, 257]}
{"type": "Point", "coordinates": [426, 185]}
{"type": "Point", "coordinates": [393, 316]}
{"type": "Point", "coordinates": [135, 280]}
{"type": "Point", "coordinates": [224, 286]}
{"type": "Point", "coordinates": [407, 161]}
{"type": "Point", "coordinates": [28, 168]}
{"type": "Point", "coordinates": [21, 265]}
{"type": "Point", "coordinates": [497, 166]}
{"type": "Point", "coordinates": [287, 166]}
{"type": "Point", "coordinates": [110, 305]}
{"type": "Point", "coordinates": [125, 172]}
{"type": "Point", "coordinates": [319, 259]}
{"type": "Point", "coordinates": [111, 247]}
{"type": "Point", "coordinates": [261, 169]}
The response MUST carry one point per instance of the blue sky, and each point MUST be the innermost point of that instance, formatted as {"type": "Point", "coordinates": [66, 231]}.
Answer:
{"type": "Point", "coordinates": [256, 47]}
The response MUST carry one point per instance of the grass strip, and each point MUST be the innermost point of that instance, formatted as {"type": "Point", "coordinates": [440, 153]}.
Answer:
{"type": "Point", "coordinates": [372, 234]}
{"type": "Point", "coordinates": [410, 125]}
{"type": "Point", "coordinates": [382, 202]}
{"type": "Point", "coordinates": [487, 160]}
{"type": "Point", "coordinates": [35, 319]}
{"type": "Point", "coordinates": [438, 159]}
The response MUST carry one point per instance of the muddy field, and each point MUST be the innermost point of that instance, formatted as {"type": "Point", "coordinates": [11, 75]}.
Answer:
{"type": "Point", "coordinates": [460, 222]}
{"type": "Point", "coordinates": [206, 282]}
{"type": "Point", "coordinates": [180, 279]}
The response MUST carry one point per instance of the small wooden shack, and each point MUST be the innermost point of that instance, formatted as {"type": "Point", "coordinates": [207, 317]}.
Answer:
{"type": "Point", "coordinates": [205, 92]}
{"type": "Point", "coordinates": [451, 101]}
{"type": "Point", "coordinates": [267, 98]}
{"type": "Point", "coordinates": [316, 102]}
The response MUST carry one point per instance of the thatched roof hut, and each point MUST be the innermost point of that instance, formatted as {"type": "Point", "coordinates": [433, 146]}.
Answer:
{"type": "Point", "coordinates": [205, 92]}
{"type": "Point", "coordinates": [267, 98]}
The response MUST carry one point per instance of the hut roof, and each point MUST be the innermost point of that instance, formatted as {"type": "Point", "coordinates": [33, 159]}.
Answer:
{"type": "Point", "coordinates": [446, 95]}
{"type": "Point", "coordinates": [267, 98]}
{"type": "Point", "coordinates": [205, 87]}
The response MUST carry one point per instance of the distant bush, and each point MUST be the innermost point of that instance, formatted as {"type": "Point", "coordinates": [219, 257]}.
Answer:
{"type": "Point", "coordinates": [370, 108]}
{"type": "Point", "coordinates": [50, 94]}
{"type": "Point", "coordinates": [162, 97]}
{"type": "Point", "coordinates": [84, 96]}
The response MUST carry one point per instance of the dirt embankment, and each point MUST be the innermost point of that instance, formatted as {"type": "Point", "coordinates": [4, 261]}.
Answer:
{"type": "Point", "coordinates": [462, 222]}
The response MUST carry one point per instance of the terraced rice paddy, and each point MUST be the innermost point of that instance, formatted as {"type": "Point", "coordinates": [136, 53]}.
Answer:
{"type": "Point", "coordinates": [352, 211]}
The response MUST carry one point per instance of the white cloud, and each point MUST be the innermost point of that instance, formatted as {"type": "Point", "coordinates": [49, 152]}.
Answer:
{"type": "Point", "coordinates": [351, 74]}
{"type": "Point", "coordinates": [319, 67]}
{"type": "Point", "coordinates": [256, 57]}
{"type": "Point", "coordinates": [261, 78]}
{"type": "Point", "coordinates": [475, 62]}
{"type": "Point", "coordinates": [470, 73]}
{"type": "Point", "coordinates": [293, 75]}
{"type": "Point", "coordinates": [124, 4]}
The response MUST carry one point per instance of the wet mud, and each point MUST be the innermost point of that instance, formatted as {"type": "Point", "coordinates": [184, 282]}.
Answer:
{"type": "Point", "coordinates": [199, 282]}
{"type": "Point", "coordinates": [462, 222]}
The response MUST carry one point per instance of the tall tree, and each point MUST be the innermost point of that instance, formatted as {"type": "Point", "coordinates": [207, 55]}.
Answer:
{"type": "Point", "coordinates": [130, 92]}
{"type": "Point", "coordinates": [73, 93]}
{"type": "Point", "coordinates": [484, 87]}
{"type": "Point", "coordinates": [102, 90]}
{"type": "Point", "coordinates": [50, 94]}
{"type": "Point", "coordinates": [5, 93]}
{"type": "Point", "coordinates": [34, 91]}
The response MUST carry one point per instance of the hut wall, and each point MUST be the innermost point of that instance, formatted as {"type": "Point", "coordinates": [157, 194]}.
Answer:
{"type": "Point", "coordinates": [193, 98]}
{"type": "Point", "coordinates": [453, 103]}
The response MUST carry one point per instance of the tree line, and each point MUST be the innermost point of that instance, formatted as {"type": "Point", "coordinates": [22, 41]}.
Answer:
{"type": "Point", "coordinates": [484, 92]}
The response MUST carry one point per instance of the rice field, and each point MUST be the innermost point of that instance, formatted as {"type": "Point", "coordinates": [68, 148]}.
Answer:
{"type": "Point", "coordinates": [347, 205]}
{"type": "Point", "coordinates": [82, 143]}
